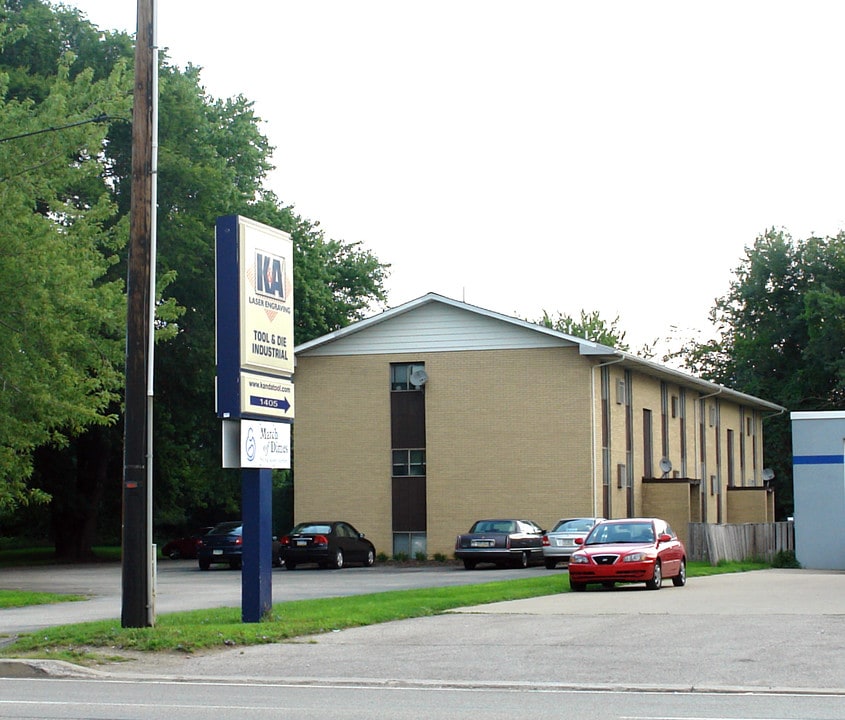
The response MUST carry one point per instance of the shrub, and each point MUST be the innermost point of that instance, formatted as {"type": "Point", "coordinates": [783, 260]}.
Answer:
{"type": "Point", "coordinates": [420, 557]}
{"type": "Point", "coordinates": [785, 559]}
{"type": "Point", "coordinates": [440, 557]}
{"type": "Point", "coordinates": [400, 557]}
{"type": "Point", "coordinates": [382, 557]}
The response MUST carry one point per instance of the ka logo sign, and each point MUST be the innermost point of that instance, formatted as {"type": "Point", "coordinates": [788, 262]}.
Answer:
{"type": "Point", "coordinates": [270, 275]}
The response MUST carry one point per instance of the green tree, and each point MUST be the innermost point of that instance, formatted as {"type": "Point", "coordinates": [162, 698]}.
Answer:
{"type": "Point", "coordinates": [780, 334]}
{"type": "Point", "coordinates": [589, 326]}
{"type": "Point", "coordinates": [61, 319]}
{"type": "Point", "coordinates": [213, 160]}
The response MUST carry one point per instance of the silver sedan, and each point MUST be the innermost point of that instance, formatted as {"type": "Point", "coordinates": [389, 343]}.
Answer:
{"type": "Point", "coordinates": [559, 542]}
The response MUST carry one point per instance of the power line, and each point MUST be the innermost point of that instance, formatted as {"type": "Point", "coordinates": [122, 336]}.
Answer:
{"type": "Point", "coordinates": [99, 118]}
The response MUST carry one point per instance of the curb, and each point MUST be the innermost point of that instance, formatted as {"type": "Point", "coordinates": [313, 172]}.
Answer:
{"type": "Point", "coordinates": [13, 668]}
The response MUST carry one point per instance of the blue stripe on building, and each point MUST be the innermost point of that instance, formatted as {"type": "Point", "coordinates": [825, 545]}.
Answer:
{"type": "Point", "coordinates": [818, 459]}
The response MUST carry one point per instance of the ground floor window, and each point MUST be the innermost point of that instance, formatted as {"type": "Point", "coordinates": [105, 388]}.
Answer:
{"type": "Point", "coordinates": [409, 544]}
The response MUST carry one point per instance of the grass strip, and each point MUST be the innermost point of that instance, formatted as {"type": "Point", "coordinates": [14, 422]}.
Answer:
{"type": "Point", "coordinates": [25, 598]}
{"type": "Point", "coordinates": [202, 629]}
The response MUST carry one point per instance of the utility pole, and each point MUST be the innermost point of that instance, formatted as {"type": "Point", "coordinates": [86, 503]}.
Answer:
{"type": "Point", "coordinates": [137, 608]}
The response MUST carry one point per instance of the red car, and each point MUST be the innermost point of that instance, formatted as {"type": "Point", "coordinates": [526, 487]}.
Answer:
{"type": "Point", "coordinates": [628, 551]}
{"type": "Point", "coordinates": [184, 547]}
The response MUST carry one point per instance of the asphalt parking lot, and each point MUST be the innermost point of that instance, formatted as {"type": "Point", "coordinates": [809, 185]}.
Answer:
{"type": "Point", "coordinates": [768, 630]}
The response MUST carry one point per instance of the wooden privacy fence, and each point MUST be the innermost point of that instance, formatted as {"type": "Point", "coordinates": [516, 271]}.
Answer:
{"type": "Point", "coordinates": [746, 541]}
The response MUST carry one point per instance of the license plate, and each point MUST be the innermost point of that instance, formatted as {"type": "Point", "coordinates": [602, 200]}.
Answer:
{"type": "Point", "coordinates": [481, 543]}
{"type": "Point", "coordinates": [564, 543]}
{"type": "Point", "coordinates": [216, 552]}
{"type": "Point", "coordinates": [301, 543]}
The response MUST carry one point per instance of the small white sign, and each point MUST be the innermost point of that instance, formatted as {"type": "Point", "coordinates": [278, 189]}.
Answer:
{"type": "Point", "coordinates": [265, 444]}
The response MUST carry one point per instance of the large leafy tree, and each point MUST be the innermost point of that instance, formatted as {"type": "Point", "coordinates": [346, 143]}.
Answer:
{"type": "Point", "coordinates": [61, 318]}
{"type": "Point", "coordinates": [213, 160]}
{"type": "Point", "coordinates": [780, 335]}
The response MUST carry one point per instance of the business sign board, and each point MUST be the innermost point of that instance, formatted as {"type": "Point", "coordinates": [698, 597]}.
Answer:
{"type": "Point", "coordinates": [256, 444]}
{"type": "Point", "coordinates": [254, 342]}
{"type": "Point", "coordinates": [266, 395]}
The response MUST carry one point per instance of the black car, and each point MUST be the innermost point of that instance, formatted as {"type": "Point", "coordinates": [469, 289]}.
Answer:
{"type": "Point", "coordinates": [223, 544]}
{"type": "Point", "coordinates": [503, 542]}
{"type": "Point", "coordinates": [329, 543]}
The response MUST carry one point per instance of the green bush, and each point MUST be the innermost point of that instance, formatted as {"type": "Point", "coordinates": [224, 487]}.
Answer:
{"type": "Point", "coordinates": [421, 557]}
{"type": "Point", "coordinates": [440, 557]}
{"type": "Point", "coordinates": [382, 557]}
{"type": "Point", "coordinates": [785, 559]}
{"type": "Point", "coordinates": [400, 557]}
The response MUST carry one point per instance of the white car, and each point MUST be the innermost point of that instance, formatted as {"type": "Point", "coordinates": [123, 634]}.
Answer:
{"type": "Point", "coordinates": [559, 542]}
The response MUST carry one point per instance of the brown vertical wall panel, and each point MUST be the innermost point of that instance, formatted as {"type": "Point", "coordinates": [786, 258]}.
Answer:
{"type": "Point", "coordinates": [409, 507]}
{"type": "Point", "coordinates": [407, 419]}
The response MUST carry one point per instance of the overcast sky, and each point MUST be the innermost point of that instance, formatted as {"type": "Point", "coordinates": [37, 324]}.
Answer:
{"type": "Point", "coordinates": [538, 155]}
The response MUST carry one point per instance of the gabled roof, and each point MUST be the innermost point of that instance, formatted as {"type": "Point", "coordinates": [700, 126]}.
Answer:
{"type": "Point", "coordinates": [549, 337]}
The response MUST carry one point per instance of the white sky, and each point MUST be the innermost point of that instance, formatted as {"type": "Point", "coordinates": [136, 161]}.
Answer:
{"type": "Point", "coordinates": [531, 155]}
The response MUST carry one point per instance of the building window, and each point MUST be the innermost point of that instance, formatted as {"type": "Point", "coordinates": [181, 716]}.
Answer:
{"type": "Point", "coordinates": [409, 544]}
{"type": "Point", "coordinates": [620, 392]}
{"type": "Point", "coordinates": [749, 426]}
{"type": "Point", "coordinates": [621, 476]}
{"type": "Point", "coordinates": [407, 376]}
{"type": "Point", "coordinates": [675, 405]}
{"type": "Point", "coordinates": [408, 462]}
{"type": "Point", "coordinates": [712, 416]}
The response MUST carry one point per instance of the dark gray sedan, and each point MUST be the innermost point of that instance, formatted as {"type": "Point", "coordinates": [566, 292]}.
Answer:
{"type": "Point", "coordinates": [328, 543]}
{"type": "Point", "coordinates": [504, 542]}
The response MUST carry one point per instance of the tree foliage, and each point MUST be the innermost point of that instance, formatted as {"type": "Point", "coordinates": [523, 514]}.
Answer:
{"type": "Point", "coordinates": [213, 160]}
{"type": "Point", "coordinates": [589, 326]}
{"type": "Point", "coordinates": [61, 318]}
{"type": "Point", "coordinates": [780, 336]}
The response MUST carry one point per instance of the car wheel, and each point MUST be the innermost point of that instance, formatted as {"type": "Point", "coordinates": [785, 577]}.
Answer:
{"type": "Point", "coordinates": [174, 555]}
{"type": "Point", "coordinates": [469, 564]}
{"type": "Point", "coordinates": [337, 562]}
{"type": "Point", "coordinates": [290, 565]}
{"type": "Point", "coordinates": [524, 560]}
{"type": "Point", "coordinates": [681, 578]}
{"type": "Point", "coordinates": [551, 564]}
{"type": "Point", "coordinates": [576, 586]}
{"type": "Point", "coordinates": [657, 579]}
{"type": "Point", "coordinates": [371, 558]}
{"type": "Point", "coordinates": [204, 564]}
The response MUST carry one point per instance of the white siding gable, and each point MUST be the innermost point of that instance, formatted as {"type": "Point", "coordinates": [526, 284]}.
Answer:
{"type": "Point", "coordinates": [437, 327]}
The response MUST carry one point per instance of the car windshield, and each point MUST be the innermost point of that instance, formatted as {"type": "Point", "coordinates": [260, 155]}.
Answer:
{"type": "Point", "coordinates": [621, 533]}
{"type": "Point", "coordinates": [311, 529]}
{"type": "Point", "coordinates": [502, 526]}
{"type": "Point", "coordinates": [576, 525]}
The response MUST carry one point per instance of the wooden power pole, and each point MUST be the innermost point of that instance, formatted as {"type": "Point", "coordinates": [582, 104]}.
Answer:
{"type": "Point", "coordinates": [138, 608]}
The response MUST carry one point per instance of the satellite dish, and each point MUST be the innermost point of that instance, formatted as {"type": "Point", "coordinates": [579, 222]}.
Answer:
{"type": "Point", "coordinates": [665, 465]}
{"type": "Point", "coordinates": [419, 377]}
{"type": "Point", "coordinates": [768, 474]}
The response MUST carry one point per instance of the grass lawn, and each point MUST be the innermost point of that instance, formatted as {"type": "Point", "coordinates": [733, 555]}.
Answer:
{"type": "Point", "coordinates": [200, 629]}
{"type": "Point", "coordinates": [23, 598]}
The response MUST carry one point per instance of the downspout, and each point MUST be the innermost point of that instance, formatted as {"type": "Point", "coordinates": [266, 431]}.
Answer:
{"type": "Point", "coordinates": [593, 428]}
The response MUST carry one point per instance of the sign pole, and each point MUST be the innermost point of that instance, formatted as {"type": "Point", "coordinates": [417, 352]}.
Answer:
{"type": "Point", "coordinates": [256, 575]}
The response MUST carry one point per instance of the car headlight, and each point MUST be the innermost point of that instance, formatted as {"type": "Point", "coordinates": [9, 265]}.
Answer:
{"type": "Point", "coordinates": [578, 559]}
{"type": "Point", "coordinates": [635, 557]}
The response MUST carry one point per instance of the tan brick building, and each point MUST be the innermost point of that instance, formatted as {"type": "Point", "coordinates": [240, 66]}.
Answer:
{"type": "Point", "coordinates": [416, 422]}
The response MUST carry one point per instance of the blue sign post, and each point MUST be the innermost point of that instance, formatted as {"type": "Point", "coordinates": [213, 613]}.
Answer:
{"type": "Point", "coordinates": [254, 390]}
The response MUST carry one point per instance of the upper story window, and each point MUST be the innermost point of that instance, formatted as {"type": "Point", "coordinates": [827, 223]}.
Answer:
{"type": "Point", "coordinates": [407, 376]}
